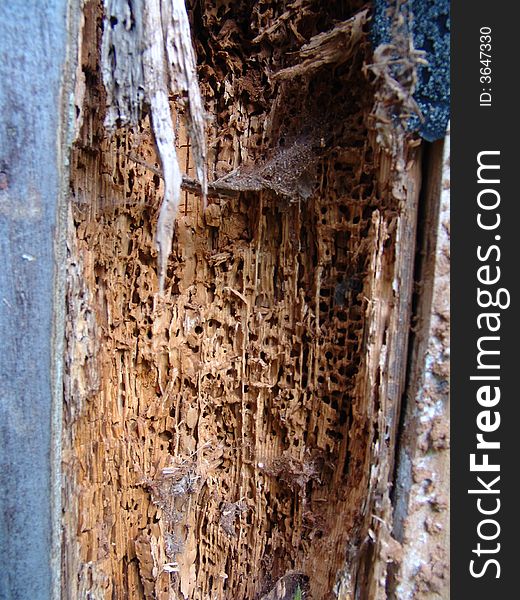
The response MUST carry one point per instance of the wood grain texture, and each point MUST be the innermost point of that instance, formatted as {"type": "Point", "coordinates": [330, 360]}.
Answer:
{"type": "Point", "coordinates": [146, 54]}
{"type": "Point", "coordinates": [241, 429]}
{"type": "Point", "coordinates": [422, 494]}
{"type": "Point", "coordinates": [35, 89]}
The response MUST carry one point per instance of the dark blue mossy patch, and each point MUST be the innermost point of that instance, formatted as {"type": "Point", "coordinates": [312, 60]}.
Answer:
{"type": "Point", "coordinates": [430, 28]}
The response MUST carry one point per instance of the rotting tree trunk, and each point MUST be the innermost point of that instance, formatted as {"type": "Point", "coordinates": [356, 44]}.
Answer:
{"type": "Point", "coordinates": [241, 427]}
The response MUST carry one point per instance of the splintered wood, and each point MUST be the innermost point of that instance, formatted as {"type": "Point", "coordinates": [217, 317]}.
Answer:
{"type": "Point", "coordinates": [236, 435]}
{"type": "Point", "coordinates": [146, 55]}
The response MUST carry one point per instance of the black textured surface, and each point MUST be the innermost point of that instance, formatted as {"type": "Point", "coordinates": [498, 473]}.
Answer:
{"type": "Point", "coordinates": [430, 29]}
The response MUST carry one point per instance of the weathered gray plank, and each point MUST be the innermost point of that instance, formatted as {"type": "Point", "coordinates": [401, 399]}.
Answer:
{"type": "Point", "coordinates": [33, 70]}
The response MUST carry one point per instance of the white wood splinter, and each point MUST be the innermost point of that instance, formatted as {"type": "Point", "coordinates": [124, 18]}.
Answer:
{"type": "Point", "coordinates": [146, 55]}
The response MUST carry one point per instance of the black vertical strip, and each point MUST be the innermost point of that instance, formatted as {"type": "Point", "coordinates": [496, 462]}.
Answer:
{"type": "Point", "coordinates": [484, 120]}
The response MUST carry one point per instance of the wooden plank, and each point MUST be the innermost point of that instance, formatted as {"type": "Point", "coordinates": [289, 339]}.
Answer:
{"type": "Point", "coordinates": [421, 501]}
{"type": "Point", "coordinates": [34, 75]}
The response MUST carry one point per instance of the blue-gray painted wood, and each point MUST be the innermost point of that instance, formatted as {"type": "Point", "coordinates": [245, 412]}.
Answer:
{"type": "Point", "coordinates": [33, 53]}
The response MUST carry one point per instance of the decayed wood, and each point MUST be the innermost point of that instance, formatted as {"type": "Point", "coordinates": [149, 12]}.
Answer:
{"type": "Point", "coordinates": [422, 494]}
{"type": "Point", "coordinates": [157, 88]}
{"type": "Point", "coordinates": [188, 184]}
{"type": "Point", "coordinates": [292, 586]}
{"type": "Point", "coordinates": [237, 434]}
{"type": "Point", "coordinates": [331, 47]}
{"type": "Point", "coordinates": [147, 53]}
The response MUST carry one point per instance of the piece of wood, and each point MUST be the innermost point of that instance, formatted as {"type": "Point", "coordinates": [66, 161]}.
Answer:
{"type": "Point", "coordinates": [422, 482]}
{"type": "Point", "coordinates": [241, 429]}
{"type": "Point", "coordinates": [146, 54]}
{"type": "Point", "coordinates": [36, 69]}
